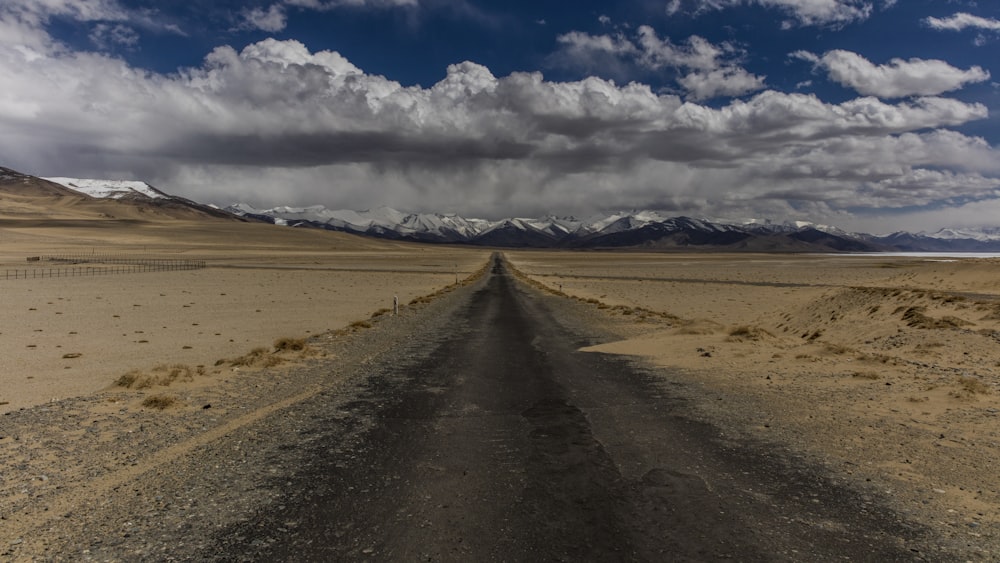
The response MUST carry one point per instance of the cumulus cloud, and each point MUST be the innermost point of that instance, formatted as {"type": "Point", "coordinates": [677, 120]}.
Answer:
{"type": "Point", "coordinates": [728, 81]}
{"type": "Point", "coordinates": [275, 123]}
{"type": "Point", "coordinates": [698, 53]}
{"type": "Point", "coordinates": [961, 21]}
{"type": "Point", "coordinates": [899, 78]}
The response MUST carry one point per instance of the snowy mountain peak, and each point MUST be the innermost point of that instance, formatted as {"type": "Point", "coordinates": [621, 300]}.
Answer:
{"type": "Point", "coordinates": [636, 228]}
{"type": "Point", "coordinates": [985, 234]}
{"type": "Point", "coordinates": [110, 189]}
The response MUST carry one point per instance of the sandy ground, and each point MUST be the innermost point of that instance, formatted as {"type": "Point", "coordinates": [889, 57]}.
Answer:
{"type": "Point", "coordinates": [69, 336]}
{"type": "Point", "coordinates": [886, 369]}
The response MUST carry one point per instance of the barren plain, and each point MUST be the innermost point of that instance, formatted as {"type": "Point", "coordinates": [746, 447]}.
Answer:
{"type": "Point", "coordinates": [885, 370]}
{"type": "Point", "coordinates": [76, 334]}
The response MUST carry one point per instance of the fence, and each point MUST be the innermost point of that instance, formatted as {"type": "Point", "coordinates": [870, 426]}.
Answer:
{"type": "Point", "coordinates": [78, 266]}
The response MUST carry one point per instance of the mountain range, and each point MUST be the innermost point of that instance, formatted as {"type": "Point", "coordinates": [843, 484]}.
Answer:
{"type": "Point", "coordinates": [633, 229]}
{"type": "Point", "coordinates": [649, 230]}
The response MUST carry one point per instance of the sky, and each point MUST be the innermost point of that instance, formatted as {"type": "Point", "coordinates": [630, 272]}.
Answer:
{"type": "Point", "coordinates": [870, 115]}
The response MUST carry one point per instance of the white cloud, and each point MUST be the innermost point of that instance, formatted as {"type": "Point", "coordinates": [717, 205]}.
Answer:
{"type": "Point", "coordinates": [22, 21]}
{"type": "Point", "coordinates": [699, 53]}
{"type": "Point", "coordinates": [822, 12]}
{"type": "Point", "coordinates": [106, 35]}
{"type": "Point", "coordinates": [712, 71]}
{"type": "Point", "coordinates": [36, 12]}
{"type": "Point", "coordinates": [275, 123]}
{"type": "Point", "coordinates": [581, 45]}
{"type": "Point", "coordinates": [899, 78]}
{"type": "Point", "coordinates": [333, 4]}
{"type": "Point", "coordinates": [727, 81]}
{"type": "Point", "coordinates": [802, 12]}
{"type": "Point", "coordinates": [272, 20]}
{"type": "Point", "coordinates": [963, 20]}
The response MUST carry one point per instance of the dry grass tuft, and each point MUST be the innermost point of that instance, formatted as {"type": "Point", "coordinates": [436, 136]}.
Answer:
{"type": "Point", "coordinates": [973, 385]}
{"type": "Point", "coordinates": [915, 318]}
{"type": "Point", "coordinates": [747, 333]}
{"type": "Point", "coordinates": [257, 358]}
{"type": "Point", "coordinates": [358, 325]}
{"type": "Point", "coordinates": [161, 375]}
{"type": "Point", "coordinates": [870, 375]}
{"type": "Point", "coordinates": [837, 349]}
{"type": "Point", "coordinates": [160, 402]}
{"type": "Point", "coordinates": [290, 344]}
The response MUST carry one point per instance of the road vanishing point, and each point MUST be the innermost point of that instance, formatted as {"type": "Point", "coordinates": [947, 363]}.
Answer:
{"type": "Point", "coordinates": [504, 442]}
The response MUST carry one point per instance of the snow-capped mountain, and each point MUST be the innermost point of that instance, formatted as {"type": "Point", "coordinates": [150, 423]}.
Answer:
{"type": "Point", "coordinates": [110, 189]}
{"type": "Point", "coordinates": [628, 229]}
{"type": "Point", "coordinates": [983, 235]}
{"type": "Point", "coordinates": [649, 229]}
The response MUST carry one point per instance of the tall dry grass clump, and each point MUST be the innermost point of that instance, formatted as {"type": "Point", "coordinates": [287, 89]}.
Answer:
{"type": "Point", "coordinates": [162, 375]}
{"type": "Point", "coordinates": [287, 344]}
{"type": "Point", "coordinates": [258, 357]}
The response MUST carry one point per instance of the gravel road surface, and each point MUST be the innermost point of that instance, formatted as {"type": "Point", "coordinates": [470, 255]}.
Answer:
{"type": "Point", "coordinates": [504, 443]}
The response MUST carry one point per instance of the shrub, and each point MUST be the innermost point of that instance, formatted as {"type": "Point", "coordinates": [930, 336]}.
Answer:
{"type": "Point", "coordinates": [160, 402]}
{"type": "Point", "coordinates": [256, 357]}
{"type": "Point", "coordinates": [290, 344]}
{"type": "Point", "coordinates": [871, 375]}
{"type": "Point", "coordinates": [128, 379]}
{"type": "Point", "coordinates": [161, 375]}
{"type": "Point", "coordinates": [973, 385]}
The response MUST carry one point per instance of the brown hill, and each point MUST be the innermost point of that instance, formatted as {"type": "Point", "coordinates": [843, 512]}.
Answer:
{"type": "Point", "coordinates": [26, 198]}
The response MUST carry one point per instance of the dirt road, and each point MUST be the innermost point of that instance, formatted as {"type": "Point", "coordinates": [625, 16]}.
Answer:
{"type": "Point", "coordinates": [504, 443]}
{"type": "Point", "coordinates": [467, 429]}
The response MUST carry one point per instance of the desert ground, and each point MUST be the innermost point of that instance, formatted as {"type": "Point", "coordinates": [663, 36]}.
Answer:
{"type": "Point", "coordinates": [73, 335]}
{"type": "Point", "coordinates": [884, 369]}
{"type": "Point", "coordinates": [881, 369]}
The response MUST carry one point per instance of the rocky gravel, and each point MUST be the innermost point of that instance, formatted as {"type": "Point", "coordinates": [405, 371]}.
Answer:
{"type": "Point", "coordinates": [103, 478]}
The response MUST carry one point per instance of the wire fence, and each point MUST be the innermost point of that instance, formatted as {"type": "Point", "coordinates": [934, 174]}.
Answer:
{"type": "Point", "coordinates": [95, 265]}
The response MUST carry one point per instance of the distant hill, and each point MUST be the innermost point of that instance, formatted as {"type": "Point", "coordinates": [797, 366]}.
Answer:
{"type": "Point", "coordinates": [25, 197]}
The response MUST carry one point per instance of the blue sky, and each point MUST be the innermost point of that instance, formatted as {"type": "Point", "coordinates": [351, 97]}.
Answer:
{"type": "Point", "coordinates": [868, 114]}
